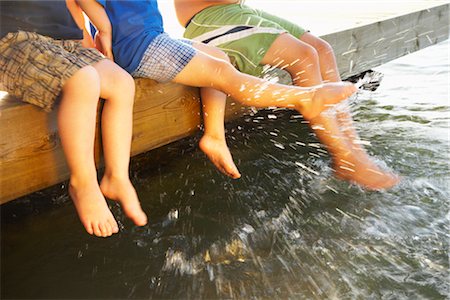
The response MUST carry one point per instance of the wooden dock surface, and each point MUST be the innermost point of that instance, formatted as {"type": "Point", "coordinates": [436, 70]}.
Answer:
{"type": "Point", "coordinates": [31, 157]}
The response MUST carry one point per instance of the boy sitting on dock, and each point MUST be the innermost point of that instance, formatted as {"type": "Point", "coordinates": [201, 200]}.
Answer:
{"type": "Point", "coordinates": [142, 48]}
{"type": "Point", "coordinates": [43, 63]}
{"type": "Point", "coordinates": [253, 39]}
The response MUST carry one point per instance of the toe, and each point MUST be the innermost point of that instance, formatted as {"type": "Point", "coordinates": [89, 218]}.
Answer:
{"type": "Point", "coordinates": [89, 228]}
{"type": "Point", "coordinates": [232, 171]}
{"type": "Point", "coordinates": [114, 226]}
{"type": "Point", "coordinates": [234, 174]}
{"type": "Point", "coordinates": [135, 213]}
{"type": "Point", "coordinates": [103, 229]}
{"type": "Point", "coordinates": [108, 227]}
{"type": "Point", "coordinates": [97, 230]}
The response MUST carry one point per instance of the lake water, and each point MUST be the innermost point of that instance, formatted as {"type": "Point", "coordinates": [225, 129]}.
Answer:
{"type": "Point", "coordinates": [287, 229]}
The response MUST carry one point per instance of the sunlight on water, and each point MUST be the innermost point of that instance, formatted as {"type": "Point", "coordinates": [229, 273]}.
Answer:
{"type": "Point", "coordinates": [287, 229]}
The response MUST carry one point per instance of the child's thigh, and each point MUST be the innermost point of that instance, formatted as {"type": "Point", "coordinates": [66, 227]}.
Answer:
{"type": "Point", "coordinates": [34, 68]}
{"type": "Point", "coordinates": [212, 51]}
{"type": "Point", "coordinates": [115, 82]}
{"type": "Point", "coordinates": [165, 58]}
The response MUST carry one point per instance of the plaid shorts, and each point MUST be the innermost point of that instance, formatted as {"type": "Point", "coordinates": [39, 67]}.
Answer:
{"type": "Point", "coordinates": [34, 68]}
{"type": "Point", "coordinates": [164, 58]}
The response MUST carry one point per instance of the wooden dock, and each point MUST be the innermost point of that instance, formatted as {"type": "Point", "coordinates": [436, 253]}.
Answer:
{"type": "Point", "coordinates": [31, 157]}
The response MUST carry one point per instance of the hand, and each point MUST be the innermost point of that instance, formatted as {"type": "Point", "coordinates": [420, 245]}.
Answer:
{"type": "Point", "coordinates": [103, 42]}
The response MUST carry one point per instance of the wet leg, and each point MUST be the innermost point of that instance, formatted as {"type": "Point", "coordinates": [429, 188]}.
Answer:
{"type": "Point", "coordinates": [330, 73]}
{"type": "Point", "coordinates": [334, 129]}
{"type": "Point", "coordinates": [252, 91]}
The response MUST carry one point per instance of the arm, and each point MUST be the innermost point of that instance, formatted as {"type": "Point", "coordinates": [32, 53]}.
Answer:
{"type": "Point", "coordinates": [98, 16]}
{"type": "Point", "coordinates": [77, 15]}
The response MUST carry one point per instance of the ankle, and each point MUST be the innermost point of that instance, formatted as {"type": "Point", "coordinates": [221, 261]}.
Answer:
{"type": "Point", "coordinates": [220, 137]}
{"type": "Point", "coordinates": [305, 103]}
{"type": "Point", "coordinates": [82, 180]}
{"type": "Point", "coordinates": [117, 173]}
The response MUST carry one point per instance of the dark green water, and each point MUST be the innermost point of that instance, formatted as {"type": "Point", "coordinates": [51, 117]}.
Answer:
{"type": "Point", "coordinates": [286, 230]}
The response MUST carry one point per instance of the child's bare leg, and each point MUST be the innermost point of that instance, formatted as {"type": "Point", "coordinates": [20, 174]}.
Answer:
{"type": "Point", "coordinates": [213, 142]}
{"type": "Point", "coordinates": [334, 129]}
{"type": "Point", "coordinates": [330, 73]}
{"type": "Point", "coordinates": [76, 121]}
{"type": "Point", "coordinates": [117, 88]}
{"type": "Point", "coordinates": [206, 71]}
{"type": "Point", "coordinates": [325, 55]}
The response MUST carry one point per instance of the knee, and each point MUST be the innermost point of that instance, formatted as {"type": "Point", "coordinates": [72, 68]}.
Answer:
{"type": "Point", "coordinates": [310, 52]}
{"type": "Point", "coordinates": [217, 53]}
{"type": "Point", "coordinates": [125, 80]}
{"type": "Point", "coordinates": [86, 78]}
{"type": "Point", "coordinates": [116, 81]}
{"type": "Point", "coordinates": [123, 86]}
{"type": "Point", "coordinates": [118, 78]}
{"type": "Point", "coordinates": [223, 69]}
{"type": "Point", "coordinates": [323, 48]}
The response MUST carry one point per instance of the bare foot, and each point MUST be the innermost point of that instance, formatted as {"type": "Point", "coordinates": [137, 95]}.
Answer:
{"type": "Point", "coordinates": [365, 173]}
{"type": "Point", "coordinates": [122, 191]}
{"type": "Point", "coordinates": [325, 96]}
{"type": "Point", "coordinates": [92, 208]}
{"type": "Point", "coordinates": [219, 154]}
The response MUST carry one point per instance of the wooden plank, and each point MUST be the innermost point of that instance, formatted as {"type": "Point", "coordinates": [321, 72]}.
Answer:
{"type": "Point", "coordinates": [31, 157]}
{"type": "Point", "coordinates": [163, 113]}
{"type": "Point", "coordinates": [362, 48]}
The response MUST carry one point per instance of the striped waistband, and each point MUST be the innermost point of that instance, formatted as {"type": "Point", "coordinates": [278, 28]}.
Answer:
{"type": "Point", "coordinates": [230, 33]}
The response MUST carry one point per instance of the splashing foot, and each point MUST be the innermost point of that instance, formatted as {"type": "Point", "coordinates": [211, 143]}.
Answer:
{"type": "Point", "coordinates": [219, 154]}
{"type": "Point", "coordinates": [366, 174]}
{"type": "Point", "coordinates": [325, 96]}
{"type": "Point", "coordinates": [122, 191]}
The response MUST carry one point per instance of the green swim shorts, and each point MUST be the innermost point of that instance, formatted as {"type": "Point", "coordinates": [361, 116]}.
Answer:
{"type": "Point", "coordinates": [244, 33]}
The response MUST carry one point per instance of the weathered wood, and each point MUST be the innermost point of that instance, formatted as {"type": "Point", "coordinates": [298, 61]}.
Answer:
{"type": "Point", "coordinates": [31, 157]}
{"type": "Point", "coordinates": [163, 113]}
{"type": "Point", "coordinates": [362, 48]}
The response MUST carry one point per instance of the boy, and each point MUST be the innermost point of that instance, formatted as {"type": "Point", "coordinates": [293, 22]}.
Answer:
{"type": "Point", "coordinates": [43, 63]}
{"type": "Point", "coordinates": [142, 48]}
{"type": "Point", "coordinates": [253, 39]}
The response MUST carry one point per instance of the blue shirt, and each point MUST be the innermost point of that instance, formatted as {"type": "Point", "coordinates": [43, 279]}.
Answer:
{"type": "Point", "coordinates": [135, 24]}
{"type": "Point", "coordinates": [49, 18]}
